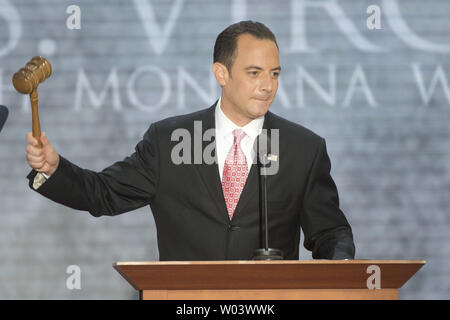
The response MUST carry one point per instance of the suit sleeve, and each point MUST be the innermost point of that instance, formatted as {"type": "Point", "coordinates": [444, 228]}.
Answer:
{"type": "Point", "coordinates": [124, 186]}
{"type": "Point", "coordinates": [327, 232]}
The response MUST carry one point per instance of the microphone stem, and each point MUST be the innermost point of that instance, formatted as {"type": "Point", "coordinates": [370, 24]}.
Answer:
{"type": "Point", "coordinates": [266, 225]}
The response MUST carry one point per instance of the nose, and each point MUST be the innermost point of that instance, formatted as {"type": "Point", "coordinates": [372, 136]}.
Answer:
{"type": "Point", "coordinates": [266, 84]}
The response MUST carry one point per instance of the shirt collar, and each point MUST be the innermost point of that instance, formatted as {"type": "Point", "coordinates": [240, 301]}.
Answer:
{"type": "Point", "coordinates": [224, 126]}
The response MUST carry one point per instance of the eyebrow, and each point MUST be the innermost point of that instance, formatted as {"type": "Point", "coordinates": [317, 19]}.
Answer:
{"type": "Point", "coordinates": [259, 68]}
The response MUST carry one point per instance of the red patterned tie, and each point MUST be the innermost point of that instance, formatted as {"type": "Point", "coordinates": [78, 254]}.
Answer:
{"type": "Point", "coordinates": [235, 173]}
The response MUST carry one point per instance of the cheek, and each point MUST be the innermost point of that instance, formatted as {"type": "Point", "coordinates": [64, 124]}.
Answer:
{"type": "Point", "coordinates": [245, 89]}
{"type": "Point", "coordinates": [251, 88]}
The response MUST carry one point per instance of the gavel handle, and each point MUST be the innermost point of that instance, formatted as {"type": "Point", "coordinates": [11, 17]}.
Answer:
{"type": "Point", "coordinates": [35, 117]}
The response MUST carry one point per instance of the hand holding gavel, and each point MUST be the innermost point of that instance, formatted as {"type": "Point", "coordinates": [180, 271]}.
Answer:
{"type": "Point", "coordinates": [41, 155]}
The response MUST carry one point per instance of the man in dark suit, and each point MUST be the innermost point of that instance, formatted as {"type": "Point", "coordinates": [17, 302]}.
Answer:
{"type": "Point", "coordinates": [210, 211]}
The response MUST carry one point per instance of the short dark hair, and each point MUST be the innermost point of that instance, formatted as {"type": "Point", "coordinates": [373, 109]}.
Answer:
{"type": "Point", "coordinates": [226, 42]}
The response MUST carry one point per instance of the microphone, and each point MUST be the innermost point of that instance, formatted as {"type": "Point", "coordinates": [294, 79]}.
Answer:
{"type": "Point", "coordinates": [3, 116]}
{"type": "Point", "coordinates": [265, 253]}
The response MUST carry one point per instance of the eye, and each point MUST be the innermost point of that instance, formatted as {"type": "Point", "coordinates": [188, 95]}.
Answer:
{"type": "Point", "coordinates": [275, 74]}
{"type": "Point", "coordinates": [253, 73]}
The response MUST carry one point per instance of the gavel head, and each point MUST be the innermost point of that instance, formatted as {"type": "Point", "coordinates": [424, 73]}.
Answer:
{"type": "Point", "coordinates": [28, 78]}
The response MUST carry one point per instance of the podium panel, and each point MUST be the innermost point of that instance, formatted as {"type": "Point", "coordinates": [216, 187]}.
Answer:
{"type": "Point", "coordinates": [269, 280]}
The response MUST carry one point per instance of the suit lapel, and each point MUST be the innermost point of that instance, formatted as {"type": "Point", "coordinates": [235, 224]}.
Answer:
{"type": "Point", "coordinates": [210, 172]}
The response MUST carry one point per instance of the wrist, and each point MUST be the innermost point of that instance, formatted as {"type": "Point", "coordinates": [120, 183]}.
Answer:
{"type": "Point", "coordinates": [52, 169]}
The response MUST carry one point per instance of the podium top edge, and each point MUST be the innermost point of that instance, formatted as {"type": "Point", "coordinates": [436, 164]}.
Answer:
{"type": "Point", "coordinates": [253, 262]}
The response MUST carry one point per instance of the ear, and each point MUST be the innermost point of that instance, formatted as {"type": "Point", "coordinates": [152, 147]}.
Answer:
{"type": "Point", "coordinates": [221, 73]}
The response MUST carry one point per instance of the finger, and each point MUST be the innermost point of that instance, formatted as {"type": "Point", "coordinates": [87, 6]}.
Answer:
{"type": "Point", "coordinates": [31, 158]}
{"type": "Point", "coordinates": [38, 166]}
{"type": "Point", "coordinates": [43, 168]}
{"type": "Point", "coordinates": [45, 141]}
{"type": "Point", "coordinates": [32, 140]}
{"type": "Point", "coordinates": [35, 151]}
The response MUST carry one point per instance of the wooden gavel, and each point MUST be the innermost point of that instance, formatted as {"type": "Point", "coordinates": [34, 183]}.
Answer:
{"type": "Point", "coordinates": [26, 81]}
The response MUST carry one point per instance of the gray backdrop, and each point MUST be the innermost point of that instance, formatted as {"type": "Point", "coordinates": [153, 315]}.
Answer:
{"type": "Point", "coordinates": [380, 98]}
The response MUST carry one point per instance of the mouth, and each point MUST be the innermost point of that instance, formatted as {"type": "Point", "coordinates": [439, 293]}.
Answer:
{"type": "Point", "coordinates": [262, 100]}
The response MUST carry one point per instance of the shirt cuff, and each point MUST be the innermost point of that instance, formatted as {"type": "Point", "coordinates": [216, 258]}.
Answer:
{"type": "Point", "coordinates": [39, 180]}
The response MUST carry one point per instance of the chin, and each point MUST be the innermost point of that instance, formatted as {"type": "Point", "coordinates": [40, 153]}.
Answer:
{"type": "Point", "coordinates": [259, 111]}
{"type": "Point", "coordinates": [258, 114]}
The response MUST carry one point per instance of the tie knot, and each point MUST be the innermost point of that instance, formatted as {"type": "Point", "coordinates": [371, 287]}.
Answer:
{"type": "Point", "coordinates": [238, 134]}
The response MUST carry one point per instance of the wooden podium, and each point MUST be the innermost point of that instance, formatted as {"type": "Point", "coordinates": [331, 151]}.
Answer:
{"type": "Point", "coordinates": [267, 280]}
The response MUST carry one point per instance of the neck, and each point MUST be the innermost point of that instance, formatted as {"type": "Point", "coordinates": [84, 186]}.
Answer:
{"type": "Point", "coordinates": [237, 118]}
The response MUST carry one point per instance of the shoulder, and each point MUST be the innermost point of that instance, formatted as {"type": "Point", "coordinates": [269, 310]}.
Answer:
{"type": "Point", "coordinates": [185, 121]}
{"type": "Point", "coordinates": [292, 130]}
{"type": "Point", "coordinates": [299, 143]}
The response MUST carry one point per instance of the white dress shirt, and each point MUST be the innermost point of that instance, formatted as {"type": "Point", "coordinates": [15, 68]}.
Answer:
{"type": "Point", "coordinates": [225, 138]}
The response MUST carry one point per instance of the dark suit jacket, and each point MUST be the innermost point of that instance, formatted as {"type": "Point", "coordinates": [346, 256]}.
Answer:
{"type": "Point", "coordinates": [188, 204]}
